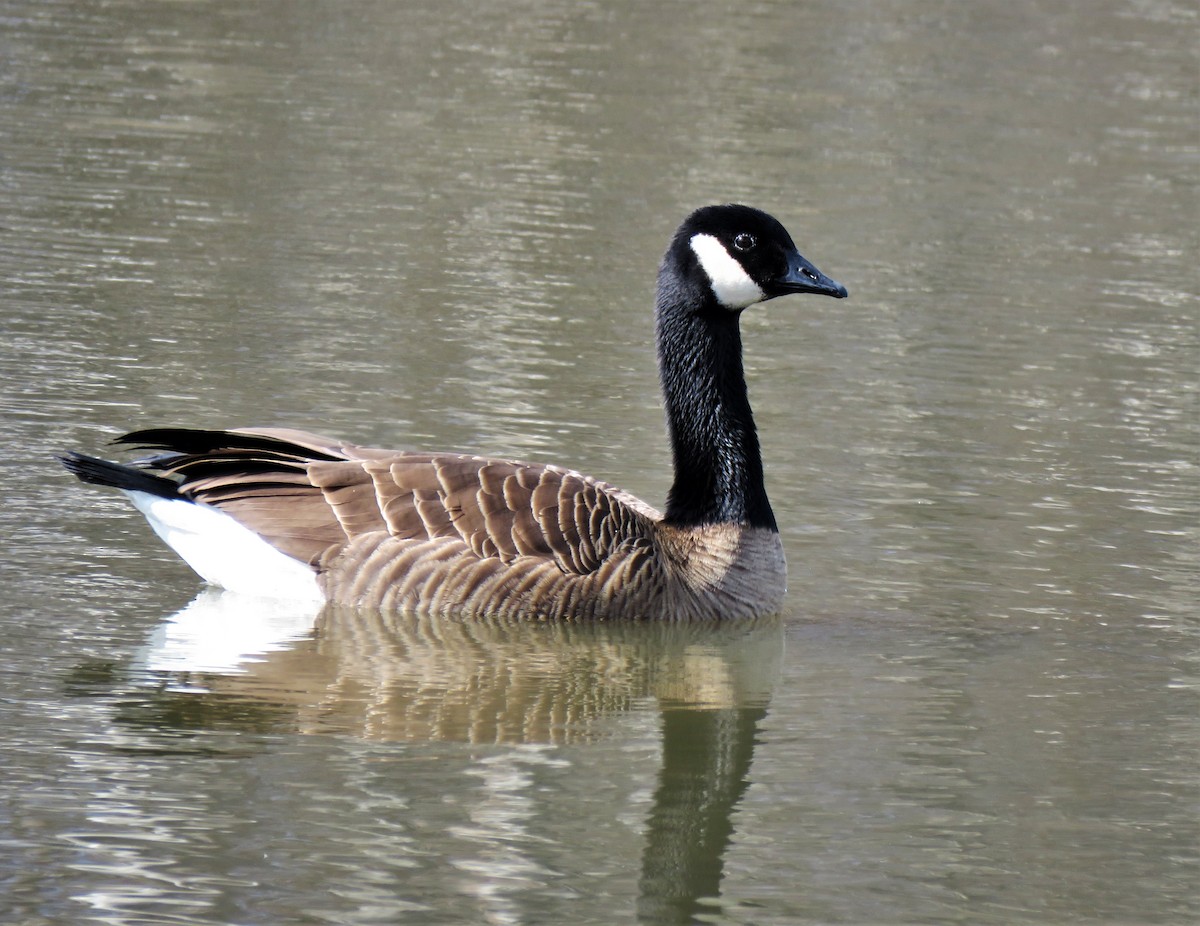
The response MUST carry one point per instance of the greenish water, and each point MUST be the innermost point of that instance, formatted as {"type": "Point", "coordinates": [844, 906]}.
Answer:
{"type": "Point", "coordinates": [437, 225]}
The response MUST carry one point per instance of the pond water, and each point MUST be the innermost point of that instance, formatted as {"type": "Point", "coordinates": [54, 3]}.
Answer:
{"type": "Point", "coordinates": [436, 224]}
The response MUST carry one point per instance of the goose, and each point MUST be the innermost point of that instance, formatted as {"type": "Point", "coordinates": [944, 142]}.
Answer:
{"type": "Point", "coordinates": [283, 513]}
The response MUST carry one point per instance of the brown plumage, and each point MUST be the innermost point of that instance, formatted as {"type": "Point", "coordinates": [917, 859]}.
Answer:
{"type": "Point", "coordinates": [472, 535]}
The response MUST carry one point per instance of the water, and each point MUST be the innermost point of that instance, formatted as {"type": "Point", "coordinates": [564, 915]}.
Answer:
{"type": "Point", "coordinates": [436, 225]}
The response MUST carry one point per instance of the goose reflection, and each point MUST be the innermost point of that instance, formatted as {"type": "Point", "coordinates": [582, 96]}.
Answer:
{"type": "Point", "coordinates": [411, 677]}
{"type": "Point", "coordinates": [407, 676]}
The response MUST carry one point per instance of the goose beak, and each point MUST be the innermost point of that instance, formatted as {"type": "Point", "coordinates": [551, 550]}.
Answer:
{"type": "Point", "coordinates": [803, 277]}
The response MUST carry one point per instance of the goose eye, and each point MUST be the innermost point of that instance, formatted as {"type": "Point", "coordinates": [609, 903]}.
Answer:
{"type": "Point", "coordinates": [744, 242]}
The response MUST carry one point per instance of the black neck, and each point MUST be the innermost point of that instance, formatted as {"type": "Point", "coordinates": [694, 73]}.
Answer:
{"type": "Point", "coordinates": [718, 465]}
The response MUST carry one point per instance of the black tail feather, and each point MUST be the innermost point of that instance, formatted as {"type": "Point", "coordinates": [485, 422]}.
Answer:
{"type": "Point", "coordinates": [199, 442]}
{"type": "Point", "coordinates": [118, 476]}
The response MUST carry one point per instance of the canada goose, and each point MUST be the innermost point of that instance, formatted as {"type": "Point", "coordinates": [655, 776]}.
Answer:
{"type": "Point", "coordinates": [285, 513]}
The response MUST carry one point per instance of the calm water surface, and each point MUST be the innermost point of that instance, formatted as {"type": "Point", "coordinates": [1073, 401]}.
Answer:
{"type": "Point", "coordinates": [436, 225]}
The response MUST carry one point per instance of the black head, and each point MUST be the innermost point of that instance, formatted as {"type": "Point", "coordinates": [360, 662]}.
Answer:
{"type": "Point", "coordinates": [745, 256]}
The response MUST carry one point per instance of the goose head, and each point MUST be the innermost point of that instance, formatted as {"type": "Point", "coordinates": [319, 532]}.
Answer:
{"type": "Point", "coordinates": [742, 256]}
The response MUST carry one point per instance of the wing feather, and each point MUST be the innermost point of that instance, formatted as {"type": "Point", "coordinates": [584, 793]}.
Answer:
{"type": "Point", "coordinates": [311, 496]}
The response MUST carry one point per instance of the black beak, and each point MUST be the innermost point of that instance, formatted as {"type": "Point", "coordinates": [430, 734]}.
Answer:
{"type": "Point", "coordinates": [803, 277]}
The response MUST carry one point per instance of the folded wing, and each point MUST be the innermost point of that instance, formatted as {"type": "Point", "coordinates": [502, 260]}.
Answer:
{"type": "Point", "coordinates": [309, 495]}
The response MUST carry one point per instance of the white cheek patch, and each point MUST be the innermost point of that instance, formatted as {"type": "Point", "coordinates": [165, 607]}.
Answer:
{"type": "Point", "coordinates": [730, 283]}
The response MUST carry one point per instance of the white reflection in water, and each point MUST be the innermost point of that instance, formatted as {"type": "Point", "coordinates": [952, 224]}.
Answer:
{"type": "Point", "coordinates": [220, 632]}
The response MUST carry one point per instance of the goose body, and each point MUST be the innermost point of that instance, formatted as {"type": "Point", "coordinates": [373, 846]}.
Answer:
{"type": "Point", "coordinates": [290, 514]}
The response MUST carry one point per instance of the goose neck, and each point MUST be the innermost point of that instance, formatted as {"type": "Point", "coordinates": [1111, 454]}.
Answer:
{"type": "Point", "coordinates": [714, 443]}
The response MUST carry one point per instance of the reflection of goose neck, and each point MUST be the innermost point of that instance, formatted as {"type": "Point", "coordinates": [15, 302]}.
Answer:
{"type": "Point", "coordinates": [706, 760]}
